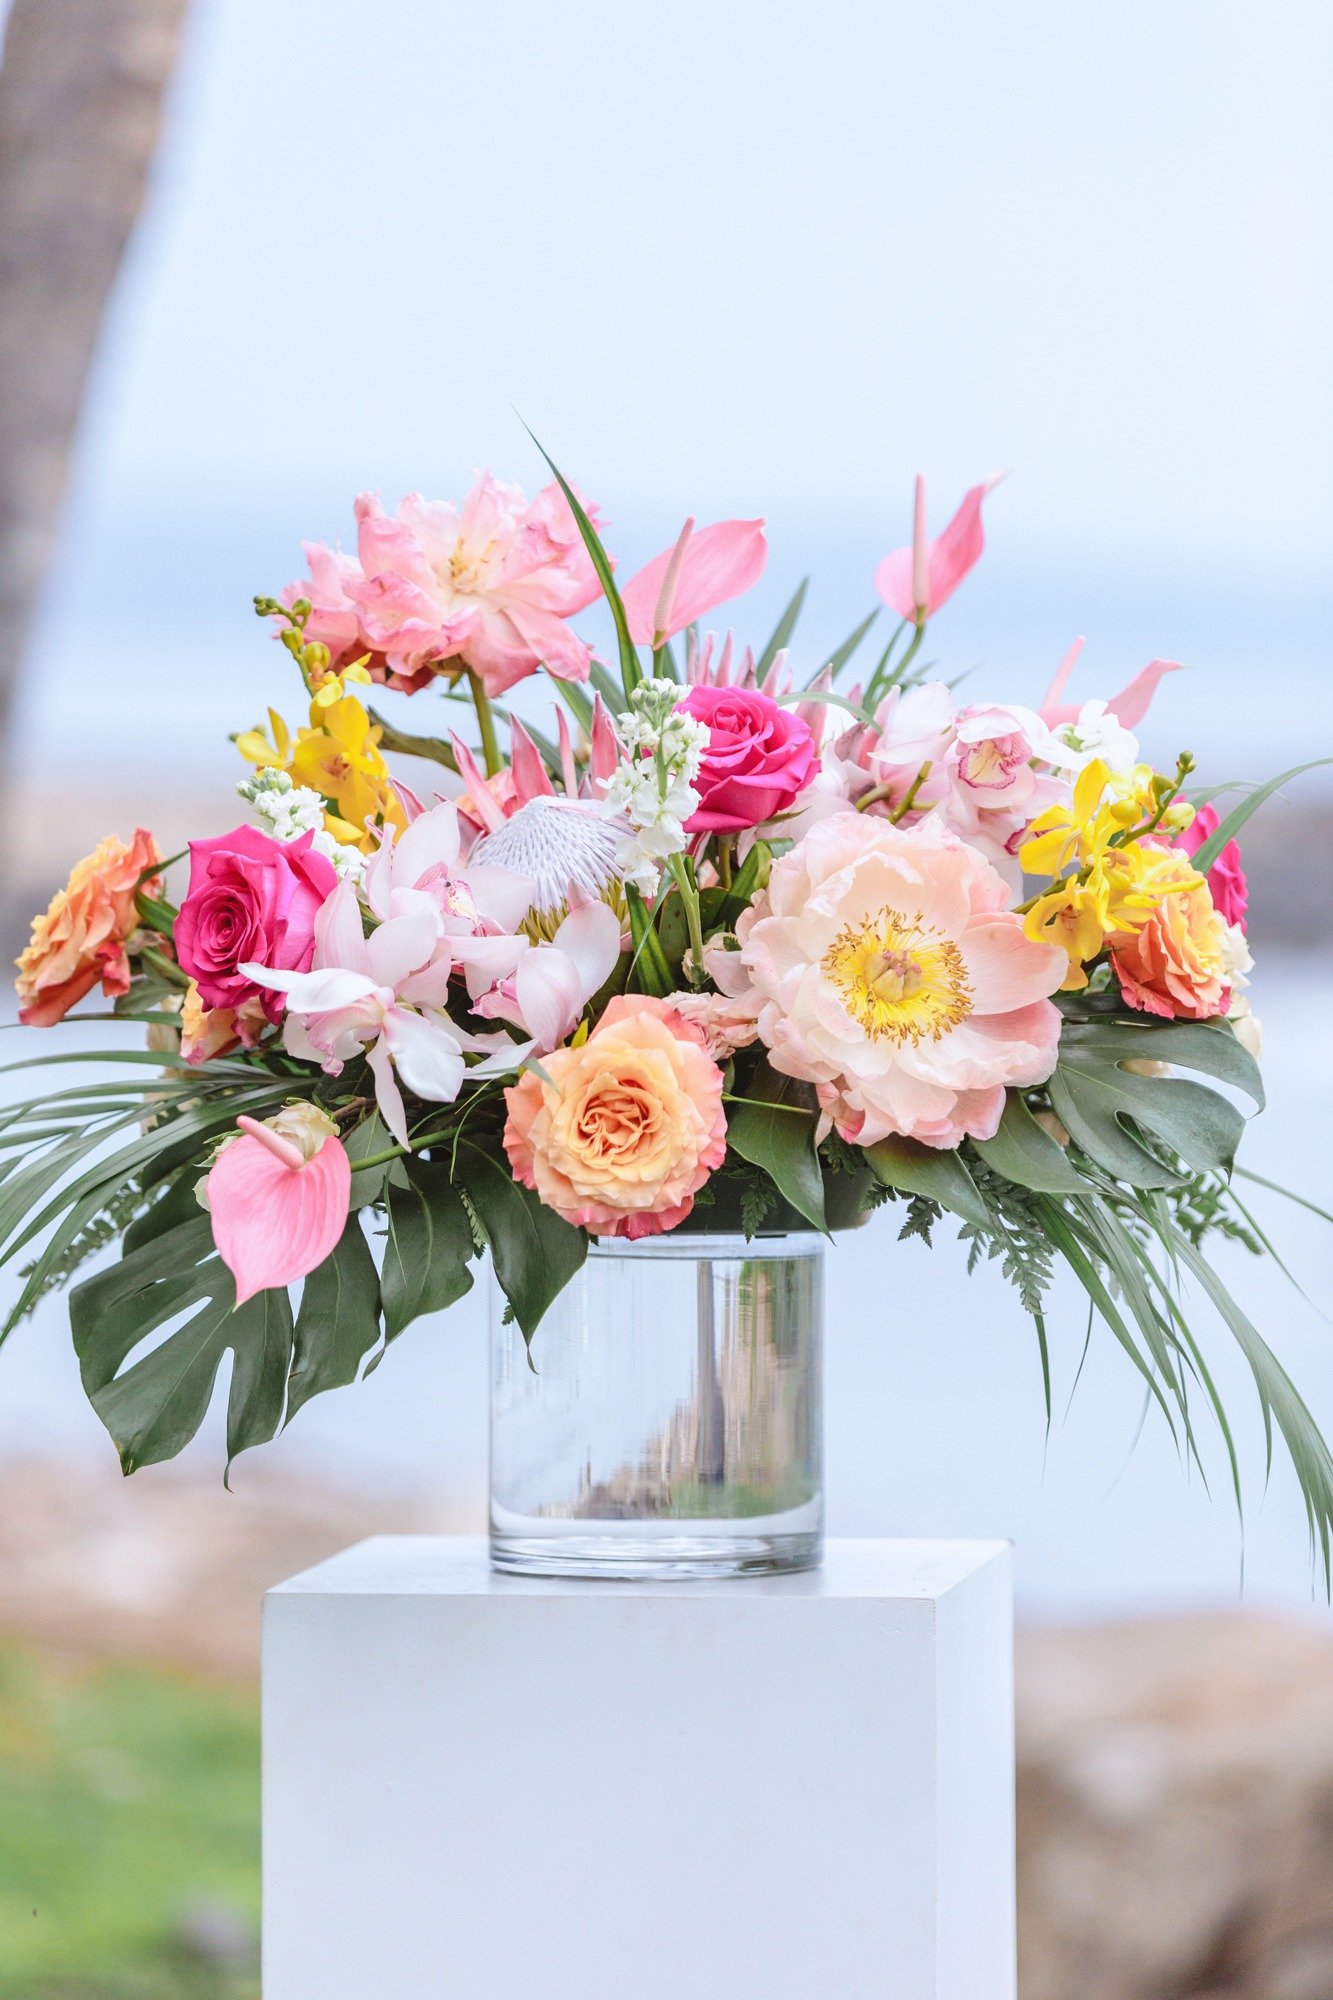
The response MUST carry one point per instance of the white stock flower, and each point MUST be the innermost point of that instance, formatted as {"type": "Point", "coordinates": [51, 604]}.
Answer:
{"type": "Point", "coordinates": [653, 786]}
{"type": "Point", "coordinates": [289, 810]}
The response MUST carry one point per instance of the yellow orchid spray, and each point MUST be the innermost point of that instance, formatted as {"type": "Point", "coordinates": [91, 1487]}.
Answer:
{"type": "Point", "coordinates": [338, 756]}
{"type": "Point", "coordinates": [1117, 878]}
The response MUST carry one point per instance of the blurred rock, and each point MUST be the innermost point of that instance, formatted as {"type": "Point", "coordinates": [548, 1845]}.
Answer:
{"type": "Point", "coordinates": [1176, 1811]}
{"type": "Point", "coordinates": [169, 1565]}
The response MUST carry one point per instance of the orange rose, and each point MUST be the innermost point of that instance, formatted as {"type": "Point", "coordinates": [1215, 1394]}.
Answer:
{"type": "Point", "coordinates": [83, 934]}
{"type": "Point", "coordinates": [210, 1031]}
{"type": "Point", "coordinates": [630, 1125]}
{"type": "Point", "coordinates": [1176, 965]}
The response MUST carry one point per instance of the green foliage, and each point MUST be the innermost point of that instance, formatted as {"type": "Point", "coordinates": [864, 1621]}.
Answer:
{"type": "Point", "coordinates": [772, 1125]}
{"type": "Point", "coordinates": [1014, 1233]}
{"type": "Point", "coordinates": [758, 1201]}
{"type": "Point", "coordinates": [535, 1253]}
{"type": "Point", "coordinates": [339, 1320]}
{"type": "Point", "coordinates": [630, 671]}
{"type": "Point", "coordinates": [911, 1168]}
{"type": "Point", "coordinates": [782, 631]}
{"type": "Point", "coordinates": [1116, 1114]}
{"type": "Point", "coordinates": [131, 1806]}
{"type": "Point", "coordinates": [428, 1248]}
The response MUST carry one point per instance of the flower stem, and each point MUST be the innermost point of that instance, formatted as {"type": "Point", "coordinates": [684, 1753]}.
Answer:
{"type": "Point", "coordinates": [724, 846]}
{"type": "Point", "coordinates": [689, 895]}
{"type": "Point", "coordinates": [900, 812]}
{"type": "Point", "coordinates": [490, 743]}
{"type": "Point", "coordinates": [167, 967]}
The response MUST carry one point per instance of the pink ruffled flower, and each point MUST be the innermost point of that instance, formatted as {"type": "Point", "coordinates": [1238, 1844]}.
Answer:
{"type": "Point", "coordinates": [619, 1135]}
{"type": "Point", "coordinates": [759, 757]}
{"type": "Point", "coordinates": [251, 899]}
{"type": "Point", "coordinates": [882, 966]}
{"type": "Point", "coordinates": [487, 585]}
{"type": "Point", "coordinates": [1226, 878]}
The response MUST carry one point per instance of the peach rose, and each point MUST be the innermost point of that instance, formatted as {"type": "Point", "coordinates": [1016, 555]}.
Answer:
{"type": "Point", "coordinates": [1176, 965]}
{"type": "Point", "coordinates": [630, 1125]}
{"type": "Point", "coordinates": [206, 1032]}
{"type": "Point", "coordinates": [82, 936]}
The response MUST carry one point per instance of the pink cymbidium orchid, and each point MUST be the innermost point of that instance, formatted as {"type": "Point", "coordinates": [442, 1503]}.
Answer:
{"type": "Point", "coordinates": [916, 581]}
{"type": "Point", "coordinates": [544, 988]}
{"type": "Point", "coordinates": [384, 996]}
{"type": "Point", "coordinates": [703, 568]}
{"type": "Point", "coordinates": [1128, 707]}
{"type": "Point", "coordinates": [278, 1204]}
{"type": "Point", "coordinates": [425, 860]}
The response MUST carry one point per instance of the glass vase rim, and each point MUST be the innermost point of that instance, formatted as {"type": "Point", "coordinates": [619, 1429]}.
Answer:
{"type": "Point", "coordinates": [697, 1245]}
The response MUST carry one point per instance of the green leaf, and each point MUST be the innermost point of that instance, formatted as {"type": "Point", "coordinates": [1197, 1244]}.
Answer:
{"type": "Point", "coordinates": [370, 1137]}
{"type": "Point", "coordinates": [1106, 1107]}
{"type": "Point", "coordinates": [649, 964]}
{"type": "Point", "coordinates": [1280, 1404]}
{"type": "Point", "coordinates": [912, 1168]}
{"type": "Point", "coordinates": [338, 1322]}
{"type": "Point", "coordinates": [831, 699]}
{"type": "Point", "coordinates": [534, 1251]}
{"type": "Point", "coordinates": [428, 1248]}
{"type": "Point", "coordinates": [630, 671]}
{"type": "Point", "coordinates": [836, 661]}
{"type": "Point", "coordinates": [402, 744]}
{"type": "Point", "coordinates": [1228, 828]}
{"type": "Point", "coordinates": [782, 631]}
{"type": "Point", "coordinates": [154, 1407]}
{"type": "Point", "coordinates": [773, 1129]}
{"type": "Point", "coordinates": [1026, 1154]}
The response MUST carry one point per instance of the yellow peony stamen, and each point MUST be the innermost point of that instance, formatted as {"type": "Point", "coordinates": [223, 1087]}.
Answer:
{"type": "Point", "coordinates": [902, 980]}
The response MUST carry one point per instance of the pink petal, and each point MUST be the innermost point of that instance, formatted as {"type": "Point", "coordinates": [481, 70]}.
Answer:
{"type": "Point", "coordinates": [546, 988]}
{"type": "Point", "coordinates": [273, 1223]}
{"type": "Point", "coordinates": [531, 778]}
{"type": "Point", "coordinates": [1131, 704]}
{"type": "Point", "coordinates": [426, 1056]}
{"type": "Point", "coordinates": [719, 563]}
{"type": "Point", "coordinates": [485, 805]}
{"type": "Point", "coordinates": [590, 937]}
{"type": "Point", "coordinates": [605, 748]}
{"type": "Point", "coordinates": [1051, 711]}
{"type": "Point", "coordinates": [947, 560]}
{"type": "Point", "coordinates": [1005, 968]}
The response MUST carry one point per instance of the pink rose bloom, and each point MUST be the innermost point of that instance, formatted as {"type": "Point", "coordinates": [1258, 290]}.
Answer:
{"type": "Point", "coordinates": [759, 757]}
{"type": "Point", "coordinates": [1226, 878]}
{"type": "Point", "coordinates": [488, 584]}
{"type": "Point", "coordinates": [618, 1136]}
{"type": "Point", "coordinates": [251, 899]}
{"type": "Point", "coordinates": [882, 966]}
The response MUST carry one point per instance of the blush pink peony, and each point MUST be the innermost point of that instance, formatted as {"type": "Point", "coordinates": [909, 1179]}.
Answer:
{"type": "Point", "coordinates": [618, 1136]}
{"type": "Point", "coordinates": [882, 967]}
{"type": "Point", "coordinates": [759, 758]}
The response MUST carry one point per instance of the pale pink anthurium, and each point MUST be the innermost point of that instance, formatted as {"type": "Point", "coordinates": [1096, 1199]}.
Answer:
{"type": "Point", "coordinates": [277, 1210]}
{"type": "Point", "coordinates": [703, 568]}
{"type": "Point", "coordinates": [1128, 707]}
{"type": "Point", "coordinates": [916, 581]}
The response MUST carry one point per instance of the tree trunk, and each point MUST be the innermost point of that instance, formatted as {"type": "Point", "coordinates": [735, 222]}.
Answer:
{"type": "Point", "coordinates": [81, 88]}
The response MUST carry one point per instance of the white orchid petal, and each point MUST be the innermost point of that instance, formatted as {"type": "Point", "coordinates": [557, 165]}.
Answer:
{"type": "Point", "coordinates": [387, 1094]}
{"type": "Point", "coordinates": [590, 937]}
{"type": "Point", "coordinates": [403, 944]}
{"type": "Point", "coordinates": [340, 939]}
{"type": "Point", "coordinates": [426, 1055]}
{"type": "Point", "coordinates": [430, 842]}
{"type": "Point", "coordinates": [549, 995]}
{"type": "Point", "coordinates": [502, 896]}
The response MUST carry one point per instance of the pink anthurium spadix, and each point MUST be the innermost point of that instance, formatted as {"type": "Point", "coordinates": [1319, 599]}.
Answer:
{"type": "Point", "coordinates": [916, 581]}
{"type": "Point", "coordinates": [703, 568]}
{"type": "Point", "coordinates": [279, 1199]}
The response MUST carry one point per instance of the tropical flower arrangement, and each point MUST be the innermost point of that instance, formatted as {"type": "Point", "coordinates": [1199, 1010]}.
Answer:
{"type": "Point", "coordinates": [714, 949]}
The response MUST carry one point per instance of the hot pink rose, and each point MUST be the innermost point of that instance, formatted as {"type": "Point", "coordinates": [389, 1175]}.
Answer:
{"type": "Point", "coordinates": [759, 757]}
{"type": "Point", "coordinates": [252, 899]}
{"type": "Point", "coordinates": [1226, 877]}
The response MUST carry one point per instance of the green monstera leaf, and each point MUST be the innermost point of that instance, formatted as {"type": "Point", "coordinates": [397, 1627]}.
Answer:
{"type": "Point", "coordinates": [1115, 1114]}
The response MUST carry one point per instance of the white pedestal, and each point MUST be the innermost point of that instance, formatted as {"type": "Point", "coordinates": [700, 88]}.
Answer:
{"type": "Point", "coordinates": [496, 1788]}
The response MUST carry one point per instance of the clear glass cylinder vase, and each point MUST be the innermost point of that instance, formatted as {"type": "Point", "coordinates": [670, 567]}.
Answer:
{"type": "Point", "coordinates": [670, 1423]}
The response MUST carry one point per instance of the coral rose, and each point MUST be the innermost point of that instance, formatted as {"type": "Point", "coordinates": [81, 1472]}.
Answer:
{"type": "Point", "coordinates": [628, 1127]}
{"type": "Point", "coordinates": [252, 900]}
{"type": "Point", "coordinates": [759, 757]}
{"type": "Point", "coordinates": [882, 966]}
{"type": "Point", "coordinates": [1175, 965]}
{"type": "Point", "coordinates": [82, 936]}
{"type": "Point", "coordinates": [1226, 878]}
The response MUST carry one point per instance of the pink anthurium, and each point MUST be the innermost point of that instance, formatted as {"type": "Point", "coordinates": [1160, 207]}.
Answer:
{"type": "Point", "coordinates": [916, 581]}
{"type": "Point", "coordinates": [277, 1212]}
{"type": "Point", "coordinates": [1128, 707]}
{"type": "Point", "coordinates": [704, 567]}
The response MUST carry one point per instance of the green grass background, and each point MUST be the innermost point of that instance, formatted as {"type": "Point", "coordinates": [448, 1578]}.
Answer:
{"type": "Point", "coordinates": [129, 1834]}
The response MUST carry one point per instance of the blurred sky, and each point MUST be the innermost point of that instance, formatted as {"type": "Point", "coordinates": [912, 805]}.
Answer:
{"type": "Point", "coordinates": [754, 259]}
